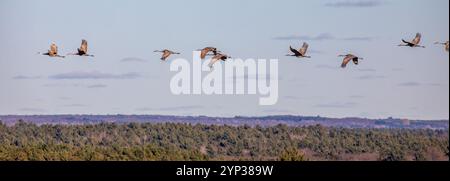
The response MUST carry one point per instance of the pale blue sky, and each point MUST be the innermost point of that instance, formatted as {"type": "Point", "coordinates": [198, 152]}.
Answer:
{"type": "Point", "coordinates": [391, 81]}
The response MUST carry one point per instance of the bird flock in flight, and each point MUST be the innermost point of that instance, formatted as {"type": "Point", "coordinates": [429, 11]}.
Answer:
{"type": "Point", "coordinates": [219, 56]}
{"type": "Point", "coordinates": [82, 51]}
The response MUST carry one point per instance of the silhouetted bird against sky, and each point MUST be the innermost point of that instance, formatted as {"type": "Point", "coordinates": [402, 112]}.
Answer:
{"type": "Point", "coordinates": [414, 43]}
{"type": "Point", "coordinates": [216, 58]}
{"type": "Point", "coordinates": [445, 45]}
{"type": "Point", "coordinates": [348, 58]}
{"type": "Point", "coordinates": [166, 54]}
{"type": "Point", "coordinates": [300, 53]}
{"type": "Point", "coordinates": [83, 50]}
{"type": "Point", "coordinates": [205, 51]}
{"type": "Point", "coordinates": [53, 52]}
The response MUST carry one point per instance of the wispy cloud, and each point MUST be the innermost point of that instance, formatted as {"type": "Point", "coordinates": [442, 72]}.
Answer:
{"type": "Point", "coordinates": [358, 38]}
{"type": "Point", "coordinates": [355, 4]}
{"type": "Point", "coordinates": [323, 37]}
{"type": "Point", "coordinates": [339, 105]}
{"type": "Point", "coordinates": [434, 84]}
{"type": "Point", "coordinates": [327, 67]}
{"type": "Point", "coordinates": [64, 98]}
{"type": "Point", "coordinates": [416, 84]}
{"type": "Point", "coordinates": [370, 77]}
{"type": "Point", "coordinates": [367, 70]}
{"type": "Point", "coordinates": [362, 38]}
{"type": "Point", "coordinates": [410, 84]}
{"type": "Point", "coordinates": [291, 97]}
{"type": "Point", "coordinates": [33, 110]}
{"type": "Point", "coordinates": [356, 97]}
{"type": "Point", "coordinates": [62, 85]}
{"type": "Point", "coordinates": [133, 59]}
{"type": "Point", "coordinates": [253, 77]}
{"type": "Point", "coordinates": [75, 105]}
{"type": "Point", "coordinates": [277, 111]}
{"type": "Point", "coordinates": [96, 86]}
{"type": "Point", "coordinates": [24, 77]}
{"type": "Point", "coordinates": [178, 108]}
{"type": "Point", "coordinates": [94, 75]}
{"type": "Point", "coordinates": [312, 51]}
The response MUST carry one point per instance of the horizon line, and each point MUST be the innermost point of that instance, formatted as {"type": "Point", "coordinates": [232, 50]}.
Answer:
{"type": "Point", "coordinates": [226, 117]}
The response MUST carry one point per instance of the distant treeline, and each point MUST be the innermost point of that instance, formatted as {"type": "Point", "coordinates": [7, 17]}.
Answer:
{"type": "Point", "coordinates": [295, 121]}
{"type": "Point", "coordinates": [179, 142]}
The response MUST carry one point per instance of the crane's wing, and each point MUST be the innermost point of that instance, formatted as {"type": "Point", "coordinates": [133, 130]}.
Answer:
{"type": "Point", "coordinates": [416, 40]}
{"type": "Point", "coordinates": [304, 49]}
{"type": "Point", "coordinates": [215, 59]}
{"type": "Point", "coordinates": [346, 60]}
{"type": "Point", "coordinates": [297, 53]}
{"type": "Point", "coordinates": [203, 53]}
{"type": "Point", "coordinates": [166, 55]}
{"type": "Point", "coordinates": [84, 46]}
{"type": "Point", "coordinates": [54, 49]}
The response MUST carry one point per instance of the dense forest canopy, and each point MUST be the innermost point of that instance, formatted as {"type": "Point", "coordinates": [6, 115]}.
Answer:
{"type": "Point", "coordinates": [178, 142]}
{"type": "Point", "coordinates": [289, 120]}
